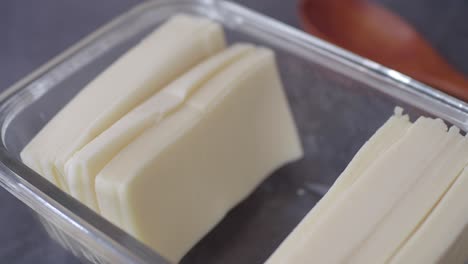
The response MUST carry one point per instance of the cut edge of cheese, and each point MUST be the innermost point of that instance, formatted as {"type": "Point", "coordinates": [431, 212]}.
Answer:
{"type": "Point", "coordinates": [198, 104]}
{"type": "Point", "coordinates": [442, 236]}
{"type": "Point", "coordinates": [416, 203]}
{"type": "Point", "coordinates": [84, 165]}
{"type": "Point", "coordinates": [343, 225]}
{"type": "Point", "coordinates": [387, 135]}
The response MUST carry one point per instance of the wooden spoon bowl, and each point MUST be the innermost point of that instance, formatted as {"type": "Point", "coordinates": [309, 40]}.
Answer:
{"type": "Point", "coordinates": [372, 31]}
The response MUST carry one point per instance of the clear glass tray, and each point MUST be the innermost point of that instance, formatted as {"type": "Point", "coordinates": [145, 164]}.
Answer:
{"type": "Point", "coordinates": [338, 100]}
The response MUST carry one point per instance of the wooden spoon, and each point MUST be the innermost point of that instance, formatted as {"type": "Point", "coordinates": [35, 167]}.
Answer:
{"type": "Point", "coordinates": [371, 31]}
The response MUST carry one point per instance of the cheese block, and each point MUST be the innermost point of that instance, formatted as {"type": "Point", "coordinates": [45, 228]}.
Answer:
{"type": "Point", "coordinates": [85, 164]}
{"type": "Point", "coordinates": [416, 203]}
{"type": "Point", "coordinates": [443, 236]}
{"type": "Point", "coordinates": [358, 211]}
{"type": "Point", "coordinates": [392, 131]}
{"type": "Point", "coordinates": [171, 50]}
{"type": "Point", "coordinates": [174, 182]}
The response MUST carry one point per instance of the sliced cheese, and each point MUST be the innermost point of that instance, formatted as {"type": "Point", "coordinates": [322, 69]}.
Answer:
{"type": "Point", "coordinates": [416, 203]}
{"type": "Point", "coordinates": [85, 164]}
{"type": "Point", "coordinates": [356, 213]}
{"type": "Point", "coordinates": [392, 131]}
{"type": "Point", "coordinates": [443, 236]}
{"type": "Point", "coordinates": [171, 50]}
{"type": "Point", "coordinates": [173, 183]}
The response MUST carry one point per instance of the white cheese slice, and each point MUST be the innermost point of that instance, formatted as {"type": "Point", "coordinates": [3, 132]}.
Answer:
{"type": "Point", "coordinates": [171, 50]}
{"type": "Point", "coordinates": [85, 164]}
{"type": "Point", "coordinates": [356, 213]}
{"type": "Point", "coordinates": [443, 236]}
{"type": "Point", "coordinates": [392, 131]}
{"type": "Point", "coordinates": [417, 203]}
{"type": "Point", "coordinates": [173, 183]}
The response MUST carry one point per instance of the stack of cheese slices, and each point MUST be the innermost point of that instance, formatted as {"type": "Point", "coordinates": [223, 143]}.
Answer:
{"type": "Point", "coordinates": [172, 135]}
{"type": "Point", "coordinates": [402, 199]}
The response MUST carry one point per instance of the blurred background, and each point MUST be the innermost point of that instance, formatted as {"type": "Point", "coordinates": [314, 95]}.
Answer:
{"type": "Point", "coordinates": [32, 32]}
